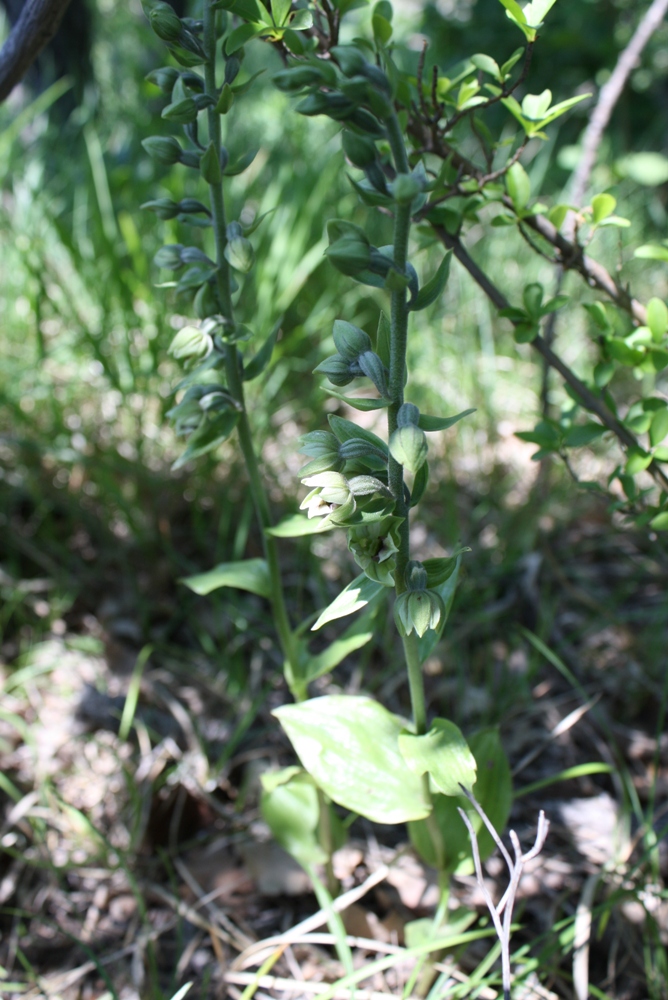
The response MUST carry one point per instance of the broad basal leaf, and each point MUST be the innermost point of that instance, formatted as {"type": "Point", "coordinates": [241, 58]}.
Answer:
{"type": "Point", "coordinates": [443, 754]}
{"type": "Point", "coordinates": [350, 746]}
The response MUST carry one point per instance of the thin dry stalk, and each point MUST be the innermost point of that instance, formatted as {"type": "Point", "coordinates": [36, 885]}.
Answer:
{"type": "Point", "coordinates": [515, 868]}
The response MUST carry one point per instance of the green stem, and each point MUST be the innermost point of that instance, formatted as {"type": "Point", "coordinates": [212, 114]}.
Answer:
{"type": "Point", "coordinates": [397, 380]}
{"type": "Point", "coordinates": [233, 363]}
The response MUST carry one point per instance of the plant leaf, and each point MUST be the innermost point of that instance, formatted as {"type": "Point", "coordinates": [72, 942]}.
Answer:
{"type": "Point", "coordinates": [296, 525]}
{"type": "Point", "coordinates": [257, 364]}
{"type": "Point", "coordinates": [355, 637]}
{"type": "Point", "coordinates": [429, 424]}
{"type": "Point", "coordinates": [443, 754]}
{"type": "Point", "coordinates": [360, 402]}
{"type": "Point", "coordinates": [247, 574]}
{"type": "Point", "coordinates": [435, 286]}
{"type": "Point", "coordinates": [352, 598]}
{"type": "Point", "coordinates": [350, 746]}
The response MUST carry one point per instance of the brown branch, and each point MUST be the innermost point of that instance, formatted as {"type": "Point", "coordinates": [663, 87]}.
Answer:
{"type": "Point", "coordinates": [573, 258]}
{"type": "Point", "coordinates": [588, 399]}
{"type": "Point", "coordinates": [37, 24]}
{"type": "Point", "coordinates": [610, 94]}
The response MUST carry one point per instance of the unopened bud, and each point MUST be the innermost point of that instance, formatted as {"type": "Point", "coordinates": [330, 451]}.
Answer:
{"type": "Point", "coordinates": [408, 447]}
{"type": "Point", "coordinates": [164, 78]}
{"type": "Point", "coordinates": [336, 369]}
{"type": "Point", "coordinates": [349, 255]}
{"type": "Point", "coordinates": [182, 112]}
{"type": "Point", "coordinates": [405, 188]}
{"type": "Point", "coordinates": [350, 60]}
{"type": "Point", "coordinates": [349, 340]}
{"type": "Point", "coordinates": [164, 208]}
{"type": "Point", "coordinates": [360, 150]}
{"type": "Point", "coordinates": [191, 342]}
{"type": "Point", "coordinates": [408, 414]}
{"type": "Point", "coordinates": [239, 254]}
{"type": "Point", "coordinates": [163, 148]}
{"type": "Point", "coordinates": [373, 368]}
{"type": "Point", "coordinates": [169, 257]}
{"type": "Point", "coordinates": [417, 611]}
{"type": "Point", "coordinates": [165, 22]}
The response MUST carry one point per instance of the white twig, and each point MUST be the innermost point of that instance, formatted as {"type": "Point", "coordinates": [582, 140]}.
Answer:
{"type": "Point", "coordinates": [610, 94]}
{"type": "Point", "coordinates": [515, 868]}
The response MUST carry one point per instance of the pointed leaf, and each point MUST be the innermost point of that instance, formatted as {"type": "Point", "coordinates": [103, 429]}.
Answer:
{"type": "Point", "coordinates": [258, 364]}
{"type": "Point", "coordinates": [435, 286]}
{"type": "Point", "coordinates": [364, 403]}
{"type": "Point", "coordinates": [443, 754]}
{"type": "Point", "coordinates": [352, 598]}
{"type": "Point", "coordinates": [247, 574]}
{"type": "Point", "coordinates": [430, 424]}
{"type": "Point", "coordinates": [602, 205]}
{"type": "Point", "coordinates": [355, 637]}
{"type": "Point", "coordinates": [350, 746]}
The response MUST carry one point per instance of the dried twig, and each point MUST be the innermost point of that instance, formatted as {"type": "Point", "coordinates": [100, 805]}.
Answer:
{"type": "Point", "coordinates": [515, 868]}
{"type": "Point", "coordinates": [610, 94]}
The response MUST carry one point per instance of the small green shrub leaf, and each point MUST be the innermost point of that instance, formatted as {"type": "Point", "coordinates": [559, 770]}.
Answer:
{"type": "Point", "coordinates": [651, 251]}
{"type": "Point", "coordinates": [637, 461]}
{"type": "Point", "coordinates": [657, 318]}
{"type": "Point", "coordinates": [583, 434]}
{"type": "Point", "coordinates": [602, 205]}
{"type": "Point", "coordinates": [518, 186]}
{"type": "Point", "coordinates": [660, 522]}
{"type": "Point", "coordinates": [350, 746]}
{"type": "Point", "coordinates": [247, 574]}
{"type": "Point", "coordinates": [659, 427]}
{"type": "Point", "coordinates": [443, 754]}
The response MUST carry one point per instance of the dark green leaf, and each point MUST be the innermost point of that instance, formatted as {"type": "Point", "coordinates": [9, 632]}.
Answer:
{"type": "Point", "coordinates": [247, 574]}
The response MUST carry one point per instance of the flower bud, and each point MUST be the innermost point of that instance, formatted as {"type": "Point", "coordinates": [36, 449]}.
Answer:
{"type": "Point", "coordinates": [350, 60]}
{"type": "Point", "coordinates": [165, 22]}
{"type": "Point", "coordinates": [360, 150]}
{"type": "Point", "coordinates": [349, 255]}
{"type": "Point", "coordinates": [239, 254]}
{"type": "Point", "coordinates": [358, 447]}
{"type": "Point", "coordinates": [169, 257]}
{"type": "Point", "coordinates": [349, 340]}
{"type": "Point", "coordinates": [191, 342]}
{"type": "Point", "coordinates": [373, 368]}
{"type": "Point", "coordinates": [408, 447]}
{"type": "Point", "coordinates": [408, 414]}
{"type": "Point", "coordinates": [319, 443]}
{"type": "Point", "coordinates": [417, 611]}
{"type": "Point", "coordinates": [164, 208]}
{"type": "Point", "coordinates": [182, 112]}
{"type": "Point", "coordinates": [163, 148]}
{"type": "Point", "coordinates": [232, 67]}
{"type": "Point", "coordinates": [336, 369]}
{"type": "Point", "coordinates": [405, 188]}
{"type": "Point", "coordinates": [374, 547]}
{"type": "Point", "coordinates": [415, 575]}
{"type": "Point", "coordinates": [298, 77]}
{"type": "Point", "coordinates": [164, 78]}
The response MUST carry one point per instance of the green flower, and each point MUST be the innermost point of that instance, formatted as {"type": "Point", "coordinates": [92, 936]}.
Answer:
{"type": "Point", "coordinates": [374, 547]}
{"type": "Point", "coordinates": [331, 497]}
{"type": "Point", "coordinates": [418, 610]}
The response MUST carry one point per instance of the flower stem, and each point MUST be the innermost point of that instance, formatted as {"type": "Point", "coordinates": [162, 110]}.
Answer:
{"type": "Point", "coordinates": [397, 380]}
{"type": "Point", "coordinates": [233, 362]}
